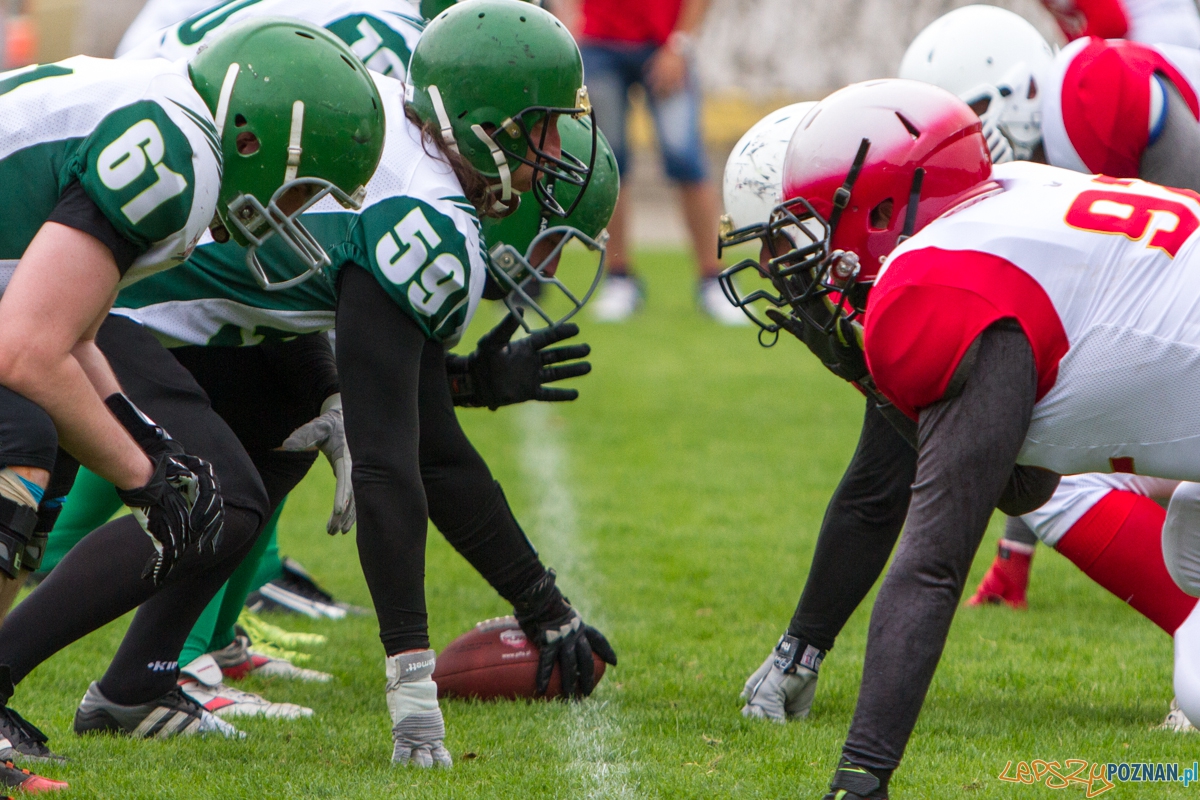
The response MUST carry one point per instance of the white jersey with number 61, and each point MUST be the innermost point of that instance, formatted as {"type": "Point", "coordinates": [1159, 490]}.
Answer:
{"type": "Point", "coordinates": [135, 135]}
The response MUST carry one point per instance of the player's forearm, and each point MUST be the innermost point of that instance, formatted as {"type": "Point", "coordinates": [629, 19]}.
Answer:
{"type": "Point", "coordinates": [96, 367]}
{"type": "Point", "coordinates": [968, 447]}
{"type": "Point", "coordinates": [860, 529]}
{"type": "Point", "coordinates": [85, 427]}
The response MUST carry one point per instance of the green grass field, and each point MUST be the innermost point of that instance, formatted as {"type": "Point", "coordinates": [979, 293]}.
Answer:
{"type": "Point", "coordinates": [679, 499]}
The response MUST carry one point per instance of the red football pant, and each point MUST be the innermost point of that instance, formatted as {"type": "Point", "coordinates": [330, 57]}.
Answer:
{"type": "Point", "coordinates": [1118, 544]}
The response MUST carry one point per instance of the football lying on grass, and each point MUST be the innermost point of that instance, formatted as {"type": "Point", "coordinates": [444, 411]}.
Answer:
{"type": "Point", "coordinates": [494, 661]}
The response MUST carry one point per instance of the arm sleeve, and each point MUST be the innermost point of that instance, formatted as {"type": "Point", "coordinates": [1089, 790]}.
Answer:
{"type": "Point", "coordinates": [967, 447]}
{"type": "Point", "coordinates": [860, 529]}
{"type": "Point", "coordinates": [379, 359]}
{"type": "Point", "coordinates": [76, 210]}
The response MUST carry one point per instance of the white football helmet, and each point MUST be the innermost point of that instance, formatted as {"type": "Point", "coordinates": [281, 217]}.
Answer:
{"type": "Point", "coordinates": [754, 172]}
{"type": "Point", "coordinates": [997, 63]}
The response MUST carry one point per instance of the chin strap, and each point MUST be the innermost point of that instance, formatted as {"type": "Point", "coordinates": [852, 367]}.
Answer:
{"type": "Point", "coordinates": [294, 150]}
{"type": "Point", "coordinates": [439, 109]}
{"type": "Point", "coordinates": [914, 197]}
{"type": "Point", "coordinates": [506, 192]}
{"type": "Point", "coordinates": [231, 75]}
{"type": "Point", "coordinates": [841, 198]}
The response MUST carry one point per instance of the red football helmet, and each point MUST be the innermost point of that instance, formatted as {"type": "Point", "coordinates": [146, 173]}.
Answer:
{"type": "Point", "coordinates": [867, 167]}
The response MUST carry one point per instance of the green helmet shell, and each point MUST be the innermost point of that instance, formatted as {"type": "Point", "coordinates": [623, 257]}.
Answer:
{"type": "Point", "coordinates": [484, 62]}
{"type": "Point", "coordinates": [431, 8]}
{"type": "Point", "coordinates": [304, 98]}
{"type": "Point", "coordinates": [590, 216]}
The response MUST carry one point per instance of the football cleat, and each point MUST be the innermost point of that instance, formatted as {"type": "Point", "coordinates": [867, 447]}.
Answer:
{"type": "Point", "coordinates": [173, 714]}
{"type": "Point", "coordinates": [13, 777]}
{"type": "Point", "coordinates": [1007, 579]}
{"type": "Point", "coordinates": [619, 298]}
{"type": "Point", "coordinates": [262, 632]}
{"type": "Point", "coordinates": [238, 660]}
{"type": "Point", "coordinates": [20, 739]}
{"type": "Point", "coordinates": [1176, 720]}
{"type": "Point", "coordinates": [201, 680]}
{"type": "Point", "coordinates": [714, 303]}
{"type": "Point", "coordinates": [295, 592]}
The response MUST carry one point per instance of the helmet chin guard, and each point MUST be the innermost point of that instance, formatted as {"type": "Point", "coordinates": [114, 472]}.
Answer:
{"type": "Point", "coordinates": [258, 224]}
{"type": "Point", "coordinates": [517, 273]}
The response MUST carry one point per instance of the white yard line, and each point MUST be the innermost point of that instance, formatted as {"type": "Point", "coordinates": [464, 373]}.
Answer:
{"type": "Point", "coordinates": [594, 731]}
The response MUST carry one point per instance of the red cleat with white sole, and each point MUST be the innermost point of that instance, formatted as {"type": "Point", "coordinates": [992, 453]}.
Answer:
{"type": "Point", "coordinates": [1007, 579]}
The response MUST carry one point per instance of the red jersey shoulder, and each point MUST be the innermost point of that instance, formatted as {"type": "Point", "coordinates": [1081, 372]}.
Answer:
{"type": "Point", "coordinates": [930, 305]}
{"type": "Point", "coordinates": [1079, 18]}
{"type": "Point", "coordinates": [1106, 102]}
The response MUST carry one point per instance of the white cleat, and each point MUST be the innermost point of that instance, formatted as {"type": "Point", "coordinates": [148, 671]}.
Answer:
{"type": "Point", "coordinates": [202, 680]}
{"type": "Point", "coordinates": [714, 303]}
{"type": "Point", "coordinates": [619, 298]}
{"type": "Point", "coordinates": [238, 660]}
{"type": "Point", "coordinates": [1176, 720]}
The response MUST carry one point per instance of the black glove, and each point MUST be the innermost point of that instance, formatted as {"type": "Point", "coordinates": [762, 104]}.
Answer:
{"type": "Point", "coordinates": [206, 508]}
{"type": "Point", "coordinates": [559, 633]}
{"type": "Point", "coordinates": [500, 372]}
{"type": "Point", "coordinates": [844, 360]}
{"type": "Point", "coordinates": [163, 508]}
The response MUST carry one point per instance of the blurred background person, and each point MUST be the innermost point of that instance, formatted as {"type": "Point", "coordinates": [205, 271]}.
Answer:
{"type": "Point", "coordinates": [651, 43]}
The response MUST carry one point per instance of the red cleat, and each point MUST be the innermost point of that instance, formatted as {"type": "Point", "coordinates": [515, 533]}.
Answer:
{"type": "Point", "coordinates": [1007, 579]}
{"type": "Point", "coordinates": [13, 777]}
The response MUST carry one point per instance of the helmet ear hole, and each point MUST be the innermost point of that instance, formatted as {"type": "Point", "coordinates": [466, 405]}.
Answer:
{"type": "Point", "coordinates": [239, 121]}
{"type": "Point", "coordinates": [1033, 88]}
{"type": "Point", "coordinates": [881, 215]}
{"type": "Point", "coordinates": [247, 143]}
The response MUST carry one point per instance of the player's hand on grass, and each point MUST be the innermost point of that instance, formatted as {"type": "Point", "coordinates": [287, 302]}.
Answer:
{"type": "Point", "coordinates": [502, 372]}
{"type": "Point", "coordinates": [783, 687]}
{"type": "Point", "coordinates": [327, 433]}
{"type": "Point", "coordinates": [562, 637]}
{"type": "Point", "coordinates": [418, 729]}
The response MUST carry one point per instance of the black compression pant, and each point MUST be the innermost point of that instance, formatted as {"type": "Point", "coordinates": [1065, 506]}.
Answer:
{"type": "Point", "coordinates": [404, 437]}
{"type": "Point", "coordinates": [100, 579]}
{"type": "Point", "coordinates": [968, 446]}
{"type": "Point", "coordinates": [861, 525]}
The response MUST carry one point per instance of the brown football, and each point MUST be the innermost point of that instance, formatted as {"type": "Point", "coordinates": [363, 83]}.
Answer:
{"type": "Point", "coordinates": [494, 661]}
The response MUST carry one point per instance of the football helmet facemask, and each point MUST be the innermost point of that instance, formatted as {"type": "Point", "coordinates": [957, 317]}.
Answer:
{"type": "Point", "coordinates": [524, 247]}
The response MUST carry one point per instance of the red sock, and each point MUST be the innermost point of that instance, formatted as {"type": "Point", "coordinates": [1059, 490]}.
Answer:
{"type": "Point", "coordinates": [1118, 544]}
{"type": "Point", "coordinates": [1008, 577]}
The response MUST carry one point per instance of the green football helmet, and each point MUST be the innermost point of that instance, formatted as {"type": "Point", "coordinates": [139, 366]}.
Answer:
{"type": "Point", "coordinates": [295, 110]}
{"type": "Point", "coordinates": [486, 72]}
{"type": "Point", "coordinates": [525, 246]}
{"type": "Point", "coordinates": [431, 8]}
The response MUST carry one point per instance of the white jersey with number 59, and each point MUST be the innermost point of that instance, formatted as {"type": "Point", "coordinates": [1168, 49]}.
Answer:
{"type": "Point", "coordinates": [135, 135]}
{"type": "Point", "coordinates": [1102, 275]}
{"type": "Point", "coordinates": [380, 32]}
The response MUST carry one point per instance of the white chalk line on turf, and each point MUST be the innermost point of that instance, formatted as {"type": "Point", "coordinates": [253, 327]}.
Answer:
{"type": "Point", "coordinates": [594, 732]}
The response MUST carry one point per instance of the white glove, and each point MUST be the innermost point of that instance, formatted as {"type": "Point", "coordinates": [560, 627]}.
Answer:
{"type": "Point", "coordinates": [784, 686]}
{"type": "Point", "coordinates": [418, 729]}
{"type": "Point", "coordinates": [327, 433]}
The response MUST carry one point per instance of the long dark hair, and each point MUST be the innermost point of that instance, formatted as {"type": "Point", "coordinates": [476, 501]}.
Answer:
{"type": "Point", "coordinates": [475, 186]}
